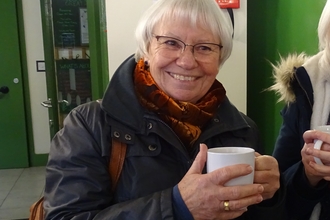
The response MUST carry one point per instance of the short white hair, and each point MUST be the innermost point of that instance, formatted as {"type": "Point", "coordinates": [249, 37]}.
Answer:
{"type": "Point", "coordinates": [324, 27]}
{"type": "Point", "coordinates": [204, 12]}
{"type": "Point", "coordinates": [323, 31]}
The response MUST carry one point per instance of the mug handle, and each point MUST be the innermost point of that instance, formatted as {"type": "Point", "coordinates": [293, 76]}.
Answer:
{"type": "Point", "coordinates": [317, 145]}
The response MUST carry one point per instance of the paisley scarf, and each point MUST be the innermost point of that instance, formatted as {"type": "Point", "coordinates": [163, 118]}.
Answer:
{"type": "Point", "coordinates": [186, 119]}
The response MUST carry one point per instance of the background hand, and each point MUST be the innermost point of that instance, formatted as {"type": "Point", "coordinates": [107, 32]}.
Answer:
{"type": "Point", "coordinates": [267, 173]}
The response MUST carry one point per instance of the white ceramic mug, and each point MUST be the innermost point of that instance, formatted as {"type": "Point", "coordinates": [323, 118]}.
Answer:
{"type": "Point", "coordinates": [225, 156]}
{"type": "Point", "coordinates": [318, 143]}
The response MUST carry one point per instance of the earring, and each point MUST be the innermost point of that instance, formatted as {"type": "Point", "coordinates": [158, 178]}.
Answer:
{"type": "Point", "coordinates": [146, 63]}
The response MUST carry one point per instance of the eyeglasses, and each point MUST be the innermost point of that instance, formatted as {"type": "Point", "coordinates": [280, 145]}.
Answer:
{"type": "Point", "coordinates": [173, 47]}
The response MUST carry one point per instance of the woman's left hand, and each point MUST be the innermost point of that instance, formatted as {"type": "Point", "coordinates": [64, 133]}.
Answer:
{"type": "Point", "coordinates": [266, 172]}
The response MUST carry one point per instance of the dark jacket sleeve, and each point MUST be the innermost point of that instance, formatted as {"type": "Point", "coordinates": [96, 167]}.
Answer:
{"type": "Point", "coordinates": [270, 209]}
{"type": "Point", "coordinates": [301, 197]}
{"type": "Point", "coordinates": [77, 180]}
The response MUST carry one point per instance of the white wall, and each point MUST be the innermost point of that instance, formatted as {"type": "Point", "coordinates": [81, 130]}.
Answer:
{"type": "Point", "coordinates": [122, 18]}
{"type": "Point", "coordinates": [233, 74]}
{"type": "Point", "coordinates": [37, 80]}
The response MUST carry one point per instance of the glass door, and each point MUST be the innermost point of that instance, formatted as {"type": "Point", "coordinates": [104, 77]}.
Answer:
{"type": "Point", "coordinates": [71, 48]}
{"type": "Point", "coordinates": [68, 46]}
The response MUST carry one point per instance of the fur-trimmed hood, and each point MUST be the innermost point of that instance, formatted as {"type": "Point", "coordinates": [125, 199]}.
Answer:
{"type": "Point", "coordinates": [283, 73]}
{"type": "Point", "coordinates": [318, 69]}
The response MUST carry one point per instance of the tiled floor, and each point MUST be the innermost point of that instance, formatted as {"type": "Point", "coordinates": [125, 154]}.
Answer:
{"type": "Point", "coordinates": [19, 189]}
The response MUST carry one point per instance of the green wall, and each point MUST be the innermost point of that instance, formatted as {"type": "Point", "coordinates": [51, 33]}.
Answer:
{"type": "Point", "coordinates": [273, 28]}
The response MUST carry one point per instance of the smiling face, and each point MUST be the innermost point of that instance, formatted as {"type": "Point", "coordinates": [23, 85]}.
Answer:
{"type": "Point", "coordinates": [182, 77]}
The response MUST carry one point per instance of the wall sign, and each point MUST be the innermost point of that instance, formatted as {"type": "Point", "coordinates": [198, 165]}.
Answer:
{"type": "Point", "coordinates": [41, 67]}
{"type": "Point", "coordinates": [228, 3]}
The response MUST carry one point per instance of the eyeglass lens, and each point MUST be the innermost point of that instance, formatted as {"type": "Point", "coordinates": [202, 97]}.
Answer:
{"type": "Point", "coordinates": [172, 47]}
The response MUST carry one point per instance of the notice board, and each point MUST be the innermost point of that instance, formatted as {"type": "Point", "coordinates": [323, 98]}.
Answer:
{"type": "Point", "coordinates": [70, 23]}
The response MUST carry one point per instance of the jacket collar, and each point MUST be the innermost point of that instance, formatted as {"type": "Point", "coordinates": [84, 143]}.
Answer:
{"type": "Point", "coordinates": [119, 100]}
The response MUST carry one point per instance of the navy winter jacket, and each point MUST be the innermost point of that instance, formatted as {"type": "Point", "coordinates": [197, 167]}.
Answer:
{"type": "Point", "coordinates": [301, 197]}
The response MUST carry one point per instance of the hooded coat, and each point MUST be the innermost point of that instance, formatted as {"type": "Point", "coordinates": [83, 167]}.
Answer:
{"type": "Point", "coordinates": [78, 185]}
{"type": "Point", "coordinates": [303, 84]}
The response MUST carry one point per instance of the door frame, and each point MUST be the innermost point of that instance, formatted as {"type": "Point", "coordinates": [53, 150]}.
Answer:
{"type": "Point", "coordinates": [97, 26]}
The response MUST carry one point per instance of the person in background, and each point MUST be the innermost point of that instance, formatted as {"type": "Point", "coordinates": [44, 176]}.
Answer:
{"type": "Point", "coordinates": [303, 84]}
{"type": "Point", "coordinates": [167, 106]}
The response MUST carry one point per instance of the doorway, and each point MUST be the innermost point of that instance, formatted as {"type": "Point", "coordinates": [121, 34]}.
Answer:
{"type": "Point", "coordinates": [18, 147]}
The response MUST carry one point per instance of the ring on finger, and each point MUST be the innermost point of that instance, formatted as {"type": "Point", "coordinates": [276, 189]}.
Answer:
{"type": "Point", "coordinates": [226, 205]}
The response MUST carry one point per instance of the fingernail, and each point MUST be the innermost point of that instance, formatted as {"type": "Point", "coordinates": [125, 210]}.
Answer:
{"type": "Point", "coordinates": [244, 209]}
{"type": "Point", "coordinates": [260, 189]}
{"type": "Point", "coordinates": [312, 163]}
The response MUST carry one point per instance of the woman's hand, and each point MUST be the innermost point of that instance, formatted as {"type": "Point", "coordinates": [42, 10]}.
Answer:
{"type": "Point", "coordinates": [267, 173]}
{"type": "Point", "coordinates": [205, 194]}
{"type": "Point", "coordinates": [316, 172]}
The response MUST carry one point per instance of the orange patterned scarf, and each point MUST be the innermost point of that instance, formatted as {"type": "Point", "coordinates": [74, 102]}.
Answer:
{"type": "Point", "coordinates": [186, 119]}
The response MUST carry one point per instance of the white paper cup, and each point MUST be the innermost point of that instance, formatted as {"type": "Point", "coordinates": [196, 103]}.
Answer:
{"type": "Point", "coordinates": [318, 143]}
{"type": "Point", "coordinates": [225, 156]}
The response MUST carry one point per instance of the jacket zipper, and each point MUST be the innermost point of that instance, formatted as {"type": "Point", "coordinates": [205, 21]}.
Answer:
{"type": "Point", "coordinates": [309, 101]}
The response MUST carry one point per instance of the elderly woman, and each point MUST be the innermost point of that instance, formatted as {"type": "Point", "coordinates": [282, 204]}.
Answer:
{"type": "Point", "coordinates": [162, 104]}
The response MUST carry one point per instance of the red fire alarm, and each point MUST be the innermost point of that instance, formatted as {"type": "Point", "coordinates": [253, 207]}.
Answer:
{"type": "Point", "coordinates": [228, 3]}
